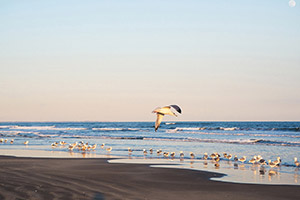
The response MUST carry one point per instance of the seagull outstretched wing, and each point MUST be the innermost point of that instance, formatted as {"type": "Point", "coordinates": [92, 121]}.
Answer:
{"type": "Point", "coordinates": [159, 117]}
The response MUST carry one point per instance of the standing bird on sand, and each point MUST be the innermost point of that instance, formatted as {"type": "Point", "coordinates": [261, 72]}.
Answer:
{"type": "Point", "coordinates": [160, 112]}
{"type": "Point", "coordinates": [296, 162]}
{"type": "Point", "coordinates": [242, 159]}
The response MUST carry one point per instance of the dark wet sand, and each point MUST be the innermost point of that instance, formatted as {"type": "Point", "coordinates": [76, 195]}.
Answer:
{"type": "Point", "coordinates": [37, 178]}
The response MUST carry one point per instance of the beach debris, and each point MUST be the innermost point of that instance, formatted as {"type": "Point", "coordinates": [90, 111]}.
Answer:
{"type": "Point", "coordinates": [166, 110]}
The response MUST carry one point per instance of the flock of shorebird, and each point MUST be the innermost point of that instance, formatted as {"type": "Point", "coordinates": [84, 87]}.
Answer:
{"type": "Point", "coordinates": [216, 157]}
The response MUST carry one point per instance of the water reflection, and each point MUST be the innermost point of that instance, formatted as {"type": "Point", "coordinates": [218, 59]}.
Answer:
{"type": "Point", "coordinates": [236, 172]}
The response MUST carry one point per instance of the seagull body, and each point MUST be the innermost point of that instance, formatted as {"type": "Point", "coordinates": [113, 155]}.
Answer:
{"type": "Point", "coordinates": [272, 164]}
{"type": "Point", "coordinates": [213, 155]}
{"type": "Point", "coordinates": [253, 160]}
{"type": "Point", "coordinates": [26, 142]}
{"type": "Point", "coordinates": [109, 149]}
{"type": "Point", "coordinates": [54, 144]}
{"type": "Point", "coordinates": [172, 154]}
{"type": "Point", "coordinates": [192, 155]}
{"type": "Point", "coordinates": [12, 141]}
{"type": "Point", "coordinates": [278, 161]}
{"type": "Point", "coordinates": [217, 159]}
{"type": "Point", "coordinates": [94, 146]}
{"type": "Point", "coordinates": [235, 158]}
{"type": "Point", "coordinates": [242, 159]}
{"type": "Point", "coordinates": [205, 156]}
{"type": "Point", "coordinates": [151, 151]}
{"type": "Point", "coordinates": [229, 156]}
{"type": "Point", "coordinates": [181, 154]}
{"type": "Point", "coordinates": [129, 150]}
{"type": "Point", "coordinates": [262, 162]}
{"type": "Point", "coordinates": [71, 147]}
{"type": "Point", "coordinates": [145, 152]}
{"type": "Point", "coordinates": [158, 152]}
{"type": "Point", "coordinates": [160, 112]}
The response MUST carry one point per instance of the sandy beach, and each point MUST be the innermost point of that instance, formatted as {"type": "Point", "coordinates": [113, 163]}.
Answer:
{"type": "Point", "coordinates": [64, 178]}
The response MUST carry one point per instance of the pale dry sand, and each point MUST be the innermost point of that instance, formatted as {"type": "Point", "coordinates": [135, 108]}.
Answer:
{"type": "Point", "coordinates": [67, 178]}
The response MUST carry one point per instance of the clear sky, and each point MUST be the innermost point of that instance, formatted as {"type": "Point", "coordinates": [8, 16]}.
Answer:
{"type": "Point", "coordinates": [67, 60]}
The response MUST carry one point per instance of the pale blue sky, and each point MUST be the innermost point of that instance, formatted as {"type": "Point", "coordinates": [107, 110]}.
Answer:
{"type": "Point", "coordinates": [118, 60]}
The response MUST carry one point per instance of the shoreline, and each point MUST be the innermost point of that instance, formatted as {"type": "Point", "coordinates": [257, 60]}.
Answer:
{"type": "Point", "coordinates": [233, 172]}
{"type": "Point", "coordinates": [95, 178]}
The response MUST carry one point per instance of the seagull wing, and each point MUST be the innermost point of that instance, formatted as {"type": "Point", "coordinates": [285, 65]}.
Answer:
{"type": "Point", "coordinates": [159, 117]}
{"type": "Point", "coordinates": [176, 108]}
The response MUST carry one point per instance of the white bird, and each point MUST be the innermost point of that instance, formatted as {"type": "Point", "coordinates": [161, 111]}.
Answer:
{"type": "Point", "coordinates": [172, 154]}
{"type": "Point", "coordinates": [129, 150]}
{"type": "Point", "coordinates": [145, 152]}
{"type": "Point", "coordinates": [272, 164]}
{"type": "Point", "coordinates": [160, 112]}
{"type": "Point", "coordinates": [242, 159]}
{"type": "Point", "coordinates": [181, 154]}
{"type": "Point", "coordinates": [109, 149]}
{"type": "Point", "coordinates": [205, 157]}
{"type": "Point", "coordinates": [229, 156]}
{"type": "Point", "coordinates": [278, 161]}
{"type": "Point", "coordinates": [296, 162]}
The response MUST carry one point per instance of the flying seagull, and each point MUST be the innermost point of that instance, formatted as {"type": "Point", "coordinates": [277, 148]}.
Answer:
{"type": "Point", "coordinates": [160, 112]}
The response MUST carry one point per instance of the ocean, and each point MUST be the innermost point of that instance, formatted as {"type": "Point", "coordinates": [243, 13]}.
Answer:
{"type": "Point", "coordinates": [268, 139]}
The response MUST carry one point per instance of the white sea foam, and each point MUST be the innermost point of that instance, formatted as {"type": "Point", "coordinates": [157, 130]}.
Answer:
{"type": "Point", "coordinates": [5, 127]}
{"type": "Point", "coordinates": [45, 128]}
{"type": "Point", "coordinates": [114, 129]}
{"type": "Point", "coordinates": [228, 129]}
{"type": "Point", "coordinates": [189, 129]}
